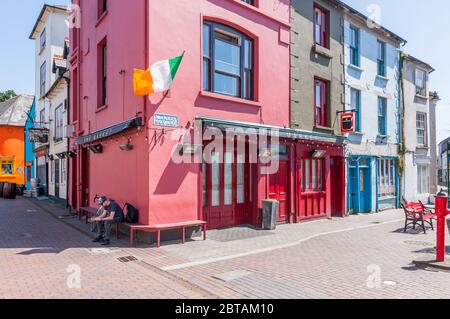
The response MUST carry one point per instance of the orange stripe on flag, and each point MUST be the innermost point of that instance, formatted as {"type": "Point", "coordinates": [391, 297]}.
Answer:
{"type": "Point", "coordinates": [143, 82]}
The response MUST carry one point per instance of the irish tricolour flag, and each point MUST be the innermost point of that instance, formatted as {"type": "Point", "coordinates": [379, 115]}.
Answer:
{"type": "Point", "coordinates": [158, 78]}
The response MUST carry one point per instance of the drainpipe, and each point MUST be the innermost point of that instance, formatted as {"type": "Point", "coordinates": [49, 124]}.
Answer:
{"type": "Point", "coordinates": [402, 144]}
{"type": "Point", "coordinates": [68, 146]}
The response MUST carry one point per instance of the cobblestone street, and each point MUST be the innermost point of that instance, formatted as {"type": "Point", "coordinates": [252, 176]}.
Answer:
{"type": "Point", "coordinates": [42, 255]}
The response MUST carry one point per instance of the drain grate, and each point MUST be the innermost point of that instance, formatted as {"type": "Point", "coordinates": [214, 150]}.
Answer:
{"type": "Point", "coordinates": [127, 259]}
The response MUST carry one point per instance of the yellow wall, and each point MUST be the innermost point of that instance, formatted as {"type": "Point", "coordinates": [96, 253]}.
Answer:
{"type": "Point", "coordinates": [12, 146]}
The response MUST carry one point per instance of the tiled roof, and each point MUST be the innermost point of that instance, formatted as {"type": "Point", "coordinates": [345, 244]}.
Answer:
{"type": "Point", "coordinates": [14, 111]}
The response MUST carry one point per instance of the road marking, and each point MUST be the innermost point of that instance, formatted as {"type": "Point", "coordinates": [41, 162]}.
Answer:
{"type": "Point", "coordinates": [269, 249]}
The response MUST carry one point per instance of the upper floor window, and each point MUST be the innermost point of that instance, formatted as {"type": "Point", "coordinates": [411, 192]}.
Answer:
{"type": "Point", "coordinates": [354, 46]}
{"type": "Point", "coordinates": [321, 26]}
{"type": "Point", "coordinates": [42, 78]}
{"type": "Point", "coordinates": [102, 7]}
{"type": "Point", "coordinates": [102, 92]}
{"type": "Point", "coordinates": [421, 127]}
{"type": "Point", "coordinates": [42, 118]}
{"type": "Point", "coordinates": [228, 60]}
{"type": "Point", "coordinates": [43, 39]}
{"type": "Point", "coordinates": [321, 98]}
{"type": "Point", "coordinates": [382, 116]}
{"type": "Point", "coordinates": [423, 179]}
{"type": "Point", "coordinates": [356, 107]}
{"type": "Point", "coordinates": [59, 123]}
{"type": "Point", "coordinates": [381, 59]}
{"type": "Point", "coordinates": [421, 80]}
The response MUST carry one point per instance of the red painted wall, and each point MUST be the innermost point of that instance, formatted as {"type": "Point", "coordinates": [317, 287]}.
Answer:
{"type": "Point", "coordinates": [146, 176]}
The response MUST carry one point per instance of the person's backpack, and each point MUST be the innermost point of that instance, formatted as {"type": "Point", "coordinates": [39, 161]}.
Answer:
{"type": "Point", "coordinates": [132, 216]}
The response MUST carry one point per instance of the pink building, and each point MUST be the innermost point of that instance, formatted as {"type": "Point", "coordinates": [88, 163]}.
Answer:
{"type": "Point", "coordinates": [235, 74]}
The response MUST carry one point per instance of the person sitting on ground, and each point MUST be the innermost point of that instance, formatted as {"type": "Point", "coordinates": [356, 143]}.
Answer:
{"type": "Point", "coordinates": [112, 214]}
{"type": "Point", "coordinates": [99, 212]}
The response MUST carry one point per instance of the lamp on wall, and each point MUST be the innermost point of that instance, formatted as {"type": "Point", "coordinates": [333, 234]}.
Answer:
{"type": "Point", "coordinates": [97, 149]}
{"type": "Point", "coordinates": [318, 154]}
{"type": "Point", "coordinates": [126, 147]}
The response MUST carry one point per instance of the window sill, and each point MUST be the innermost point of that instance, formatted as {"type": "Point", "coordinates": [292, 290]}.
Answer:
{"type": "Point", "coordinates": [323, 51]}
{"type": "Point", "coordinates": [355, 67]}
{"type": "Point", "coordinates": [422, 147]}
{"type": "Point", "coordinates": [229, 98]}
{"type": "Point", "coordinates": [323, 128]}
{"type": "Point", "coordinates": [101, 108]}
{"type": "Point", "coordinates": [382, 77]}
{"type": "Point", "coordinates": [358, 133]}
{"type": "Point", "coordinates": [257, 10]}
{"type": "Point", "coordinates": [420, 96]}
{"type": "Point", "coordinates": [101, 18]}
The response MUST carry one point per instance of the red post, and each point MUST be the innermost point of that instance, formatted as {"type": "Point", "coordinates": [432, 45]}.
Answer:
{"type": "Point", "coordinates": [441, 212]}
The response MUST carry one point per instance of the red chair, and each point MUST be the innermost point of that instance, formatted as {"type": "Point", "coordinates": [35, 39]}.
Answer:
{"type": "Point", "coordinates": [417, 215]}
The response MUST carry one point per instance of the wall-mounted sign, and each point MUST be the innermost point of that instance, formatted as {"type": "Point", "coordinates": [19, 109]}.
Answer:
{"type": "Point", "coordinates": [348, 122]}
{"type": "Point", "coordinates": [36, 135]}
{"type": "Point", "coordinates": [166, 120]}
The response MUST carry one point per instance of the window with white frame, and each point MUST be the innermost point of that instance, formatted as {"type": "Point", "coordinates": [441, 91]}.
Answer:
{"type": "Point", "coordinates": [423, 179]}
{"type": "Point", "coordinates": [421, 127]}
{"type": "Point", "coordinates": [421, 82]}
{"type": "Point", "coordinates": [52, 175]}
{"type": "Point", "coordinates": [386, 177]}
{"type": "Point", "coordinates": [59, 123]}
{"type": "Point", "coordinates": [63, 171]}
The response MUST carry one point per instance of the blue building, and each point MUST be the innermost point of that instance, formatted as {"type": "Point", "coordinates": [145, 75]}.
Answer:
{"type": "Point", "coordinates": [29, 147]}
{"type": "Point", "coordinates": [372, 91]}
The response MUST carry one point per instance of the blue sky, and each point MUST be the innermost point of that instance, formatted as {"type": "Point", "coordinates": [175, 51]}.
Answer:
{"type": "Point", "coordinates": [424, 24]}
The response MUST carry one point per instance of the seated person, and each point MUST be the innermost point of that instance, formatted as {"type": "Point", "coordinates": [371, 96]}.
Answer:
{"type": "Point", "coordinates": [112, 214]}
{"type": "Point", "coordinates": [99, 212]}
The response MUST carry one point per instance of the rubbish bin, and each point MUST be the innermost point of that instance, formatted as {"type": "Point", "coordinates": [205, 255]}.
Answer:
{"type": "Point", "coordinates": [270, 209]}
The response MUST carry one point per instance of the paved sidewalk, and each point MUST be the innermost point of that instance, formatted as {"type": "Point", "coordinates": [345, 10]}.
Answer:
{"type": "Point", "coordinates": [365, 256]}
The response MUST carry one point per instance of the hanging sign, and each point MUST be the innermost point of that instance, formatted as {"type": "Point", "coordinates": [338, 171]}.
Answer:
{"type": "Point", "coordinates": [348, 122]}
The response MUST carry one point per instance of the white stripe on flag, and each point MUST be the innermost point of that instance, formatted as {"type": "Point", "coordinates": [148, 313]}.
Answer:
{"type": "Point", "coordinates": [162, 78]}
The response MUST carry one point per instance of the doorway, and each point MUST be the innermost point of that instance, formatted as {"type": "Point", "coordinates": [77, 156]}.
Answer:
{"type": "Point", "coordinates": [278, 190]}
{"type": "Point", "coordinates": [360, 186]}
{"type": "Point", "coordinates": [57, 178]}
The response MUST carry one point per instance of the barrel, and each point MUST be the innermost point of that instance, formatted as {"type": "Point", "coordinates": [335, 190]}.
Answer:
{"type": "Point", "coordinates": [1, 189]}
{"type": "Point", "coordinates": [10, 191]}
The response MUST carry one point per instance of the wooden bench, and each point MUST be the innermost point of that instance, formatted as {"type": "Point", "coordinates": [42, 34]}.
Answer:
{"type": "Point", "coordinates": [162, 227]}
{"type": "Point", "coordinates": [417, 215]}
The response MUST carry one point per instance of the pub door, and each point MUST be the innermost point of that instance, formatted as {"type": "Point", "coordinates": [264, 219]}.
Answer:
{"type": "Point", "coordinates": [311, 189]}
{"type": "Point", "coordinates": [226, 190]}
{"type": "Point", "coordinates": [278, 190]}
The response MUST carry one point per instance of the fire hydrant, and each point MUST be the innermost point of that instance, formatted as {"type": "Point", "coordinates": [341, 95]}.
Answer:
{"type": "Point", "coordinates": [441, 211]}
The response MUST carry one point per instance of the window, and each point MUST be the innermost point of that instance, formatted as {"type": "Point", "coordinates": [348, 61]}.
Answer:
{"type": "Point", "coordinates": [42, 77]}
{"type": "Point", "coordinates": [43, 40]}
{"type": "Point", "coordinates": [421, 127]}
{"type": "Point", "coordinates": [356, 106]}
{"type": "Point", "coordinates": [354, 46]}
{"type": "Point", "coordinates": [423, 179]}
{"type": "Point", "coordinates": [102, 91]}
{"type": "Point", "coordinates": [421, 80]}
{"type": "Point", "coordinates": [6, 166]}
{"type": "Point", "coordinates": [228, 175]}
{"type": "Point", "coordinates": [321, 26]}
{"type": "Point", "coordinates": [312, 175]}
{"type": "Point", "coordinates": [102, 7]}
{"type": "Point", "coordinates": [63, 170]}
{"type": "Point", "coordinates": [227, 61]}
{"type": "Point", "coordinates": [240, 179]}
{"type": "Point", "coordinates": [59, 123]}
{"type": "Point", "coordinates": [381, 59]}
{"type": "Point", "coordinates": [42, 118]}
{"type": "Point", "coordinates": [215, 179]}
{"type": "Point", "coordinates": [386, 177]}
{"type": "Point", "coordinates": [320, 103]}
{"type": "Point", "coordinates": [382, 118]}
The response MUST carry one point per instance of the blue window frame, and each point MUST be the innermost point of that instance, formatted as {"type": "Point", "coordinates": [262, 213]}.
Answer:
{"type": "Point", "coordinates": [354, 46]}
{"type": "Point", "coordinates": [356, 106]}
{"type": "Point", "coordinates": [381, 59]}
{"type": "Point", "coordinates": [228, 58]}
{"type": "Point", "coordinates": [382, 116]}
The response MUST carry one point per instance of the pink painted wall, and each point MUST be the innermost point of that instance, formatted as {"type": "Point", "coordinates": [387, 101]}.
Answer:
{"type": "Point", "coordinates": [173, 188]}
{"type": "Point", "coordinates": [146, 176]}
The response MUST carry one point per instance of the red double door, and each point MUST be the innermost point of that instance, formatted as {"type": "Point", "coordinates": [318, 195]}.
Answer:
{"type": "Point", "coordinates": [228, 190]}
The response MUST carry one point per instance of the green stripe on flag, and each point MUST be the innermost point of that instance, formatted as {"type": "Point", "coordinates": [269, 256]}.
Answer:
{"type": "Point", "coordinates": [175, 65]}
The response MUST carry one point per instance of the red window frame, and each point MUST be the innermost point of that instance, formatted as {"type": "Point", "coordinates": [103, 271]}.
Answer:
{"type": "Point", "coordinates": [323, 26]}
{"type": "Point", "coordinates": [321, 107]}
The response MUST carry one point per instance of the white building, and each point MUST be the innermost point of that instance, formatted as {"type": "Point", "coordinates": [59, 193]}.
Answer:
{"type": "Point", "coordinates": [418, 130]}
{"type": "Point", "coordinates": [372, 91]}
{"type": "Point", "coordinates": [50, 34]}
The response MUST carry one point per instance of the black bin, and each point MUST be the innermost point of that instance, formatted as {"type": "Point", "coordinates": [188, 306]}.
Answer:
{"type": "Point", "coordinates": [270, 209]}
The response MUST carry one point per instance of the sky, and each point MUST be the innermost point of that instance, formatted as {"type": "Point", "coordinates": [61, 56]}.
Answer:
{"type": "Point", "coordinates": [425, 24]}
